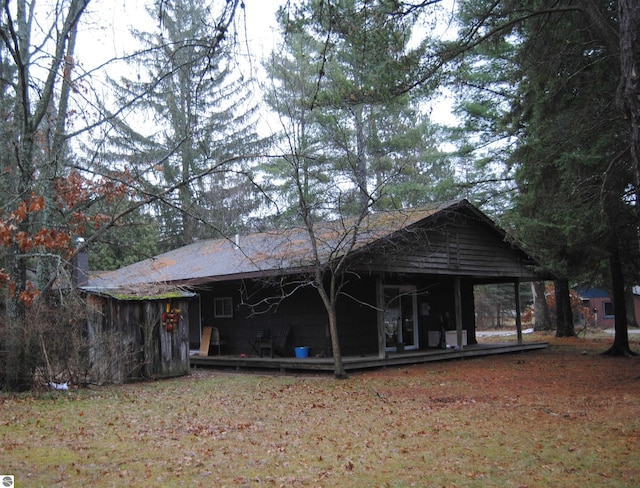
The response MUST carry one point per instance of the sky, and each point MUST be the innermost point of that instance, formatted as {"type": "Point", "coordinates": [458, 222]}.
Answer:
{"type": "Point", "coordinates": [106, 25]}
{"type": "Point", "coordinates": [104, 35]}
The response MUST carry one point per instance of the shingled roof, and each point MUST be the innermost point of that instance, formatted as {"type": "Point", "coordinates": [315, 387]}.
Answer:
{"type": "Point", "coordinates": [261, 254]}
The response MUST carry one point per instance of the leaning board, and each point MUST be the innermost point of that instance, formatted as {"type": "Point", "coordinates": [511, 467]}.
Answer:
{"type": "Point", "coordinates": [205, 342]}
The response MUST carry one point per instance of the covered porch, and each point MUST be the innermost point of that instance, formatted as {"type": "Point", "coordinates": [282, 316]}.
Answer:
{"type": "Point", "coordinates": [363, 362]}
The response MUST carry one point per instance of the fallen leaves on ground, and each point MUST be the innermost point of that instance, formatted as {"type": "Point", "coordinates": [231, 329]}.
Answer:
{"type": "Point", "coordinates": [564, 416]}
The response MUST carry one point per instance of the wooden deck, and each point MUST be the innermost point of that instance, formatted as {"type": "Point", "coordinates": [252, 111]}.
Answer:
{"type": "Point", "coordinates": [353, 363]}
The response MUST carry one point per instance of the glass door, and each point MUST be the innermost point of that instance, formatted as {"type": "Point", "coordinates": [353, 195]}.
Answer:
{"type": "Point", "coordinates": [400, 318]}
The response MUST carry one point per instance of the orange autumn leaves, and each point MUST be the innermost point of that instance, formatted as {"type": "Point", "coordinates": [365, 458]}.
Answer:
{"type": "Point", "coordinates": [22, 233]}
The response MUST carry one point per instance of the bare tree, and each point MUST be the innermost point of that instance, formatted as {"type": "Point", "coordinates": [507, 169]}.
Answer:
{"type": "Point", "coordinates": [47, 191]}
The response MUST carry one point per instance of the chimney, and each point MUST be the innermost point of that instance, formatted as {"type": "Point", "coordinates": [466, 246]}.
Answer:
{"type": "Point", "coordinates": [80, 267]}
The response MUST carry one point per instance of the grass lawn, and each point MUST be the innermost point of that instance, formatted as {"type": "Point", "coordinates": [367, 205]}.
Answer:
{"type": "Point", "coordinates": [562, 417]}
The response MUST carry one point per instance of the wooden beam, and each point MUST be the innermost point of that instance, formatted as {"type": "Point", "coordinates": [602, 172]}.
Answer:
{"type": "Point", "coordinates": [458, 305]}
{"type": "Point", "coordinates": [516, 286]}
{"type": "Point", "coordinates": [380, 317]}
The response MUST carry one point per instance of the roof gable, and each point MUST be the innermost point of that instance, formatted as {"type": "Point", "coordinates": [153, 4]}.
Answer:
{"type": "Point", "coordinates": [460, 242]}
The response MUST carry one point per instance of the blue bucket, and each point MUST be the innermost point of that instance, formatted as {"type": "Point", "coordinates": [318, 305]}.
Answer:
{"type": "Point", "coordinates": [302, 352]}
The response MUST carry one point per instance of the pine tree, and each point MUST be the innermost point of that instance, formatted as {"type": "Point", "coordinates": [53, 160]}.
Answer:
{"type": "Point", "coordinates": [571, 160]}
{"type": "Point", "coordinates": [340, 82]}
{"type": "Point", "coordinates": [195, 118]}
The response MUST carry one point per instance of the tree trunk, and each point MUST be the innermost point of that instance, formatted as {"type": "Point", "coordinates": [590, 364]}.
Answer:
{"type": "Point", "coordinates": [628, 95]}
{"type": "Point", "coordinates": [329, 300]}
{"type": "Point", "coordinates": [631, 307]}
{"type": "Point", "coordinates": [52, 167]}
{"type": "Point", "coordinates": [361, 168]}
{"type": "Point", "coordinates": [541, 312]}
{"type": "Point", "coordinates": [620, 345]}
{"type": "Point", "coordinates": [564, 327]}
{"type": "Point", "coordinates": [338, 366]}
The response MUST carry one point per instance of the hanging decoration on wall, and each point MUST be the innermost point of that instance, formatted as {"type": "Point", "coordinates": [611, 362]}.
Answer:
{"type": "Point", "coordinates": [170, 318]}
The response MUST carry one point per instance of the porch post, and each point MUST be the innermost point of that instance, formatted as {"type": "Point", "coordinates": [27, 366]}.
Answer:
{"type": "Point", "coordinates": [516, 286]}
{"type": "Point", "coordinates": [380, 317]}
{"type": "Point", "coordinates": [458, 305]}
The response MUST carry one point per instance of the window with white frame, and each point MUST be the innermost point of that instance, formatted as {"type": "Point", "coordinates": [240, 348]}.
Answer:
{"type": "Point", "coordinates": [222, 307]}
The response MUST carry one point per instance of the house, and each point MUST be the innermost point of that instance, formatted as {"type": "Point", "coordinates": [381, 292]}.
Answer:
{"type": "Point", "coordinates": [597, 307]}
{"type": "Point", "coordinates": [408, 277]}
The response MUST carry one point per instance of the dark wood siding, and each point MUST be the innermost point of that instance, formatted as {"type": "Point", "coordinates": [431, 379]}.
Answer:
{"type": "Point", "coordinates": [128, 342]}
{"type": "Point", "coordinates": [357, 318]}
{"type": "Point", "coordinates": [303, 313]}
{"type": "Point", "coordinates": [259, 306]}
{"type": "Point", "coordinates": [465, 247]}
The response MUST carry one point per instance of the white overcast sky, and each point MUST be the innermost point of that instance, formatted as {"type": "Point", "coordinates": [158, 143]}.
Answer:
{"type": "Point", "coordinates": [105, 35]}
{"type": "Point", "coordinates": [105, 31]}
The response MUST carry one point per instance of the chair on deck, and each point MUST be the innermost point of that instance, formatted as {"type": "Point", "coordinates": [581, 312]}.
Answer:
{"type": "Point", "coordinates": [279, 341]}
{"type": "Point", "coordinates": [210, 337]}
{"type": "Point", "coordinates": [215, 340]}
{"type": "Point", "coordinates": [261, 343]}
{"type": "Point", "coordinates": [268, 342]}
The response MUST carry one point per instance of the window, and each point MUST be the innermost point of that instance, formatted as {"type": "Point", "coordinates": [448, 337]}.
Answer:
{"type": "Point", "coordinates": [608, 309]}
{"type": "Point", "coordinates": [222, 307]}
